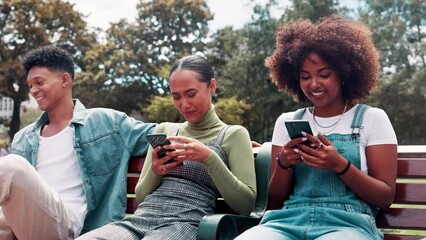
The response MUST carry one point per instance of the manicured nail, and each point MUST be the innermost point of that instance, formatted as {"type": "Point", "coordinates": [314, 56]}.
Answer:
{"type": "Point", "coordinates": [304, 139]}
{"type": "Point", "coordinates": [296, 150]}
{"type": "Point", "coordinates": [303, 133]}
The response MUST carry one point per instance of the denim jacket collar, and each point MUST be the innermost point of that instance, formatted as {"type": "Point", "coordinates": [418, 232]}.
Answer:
{"type": "Point", "coordinates": [78, 116]}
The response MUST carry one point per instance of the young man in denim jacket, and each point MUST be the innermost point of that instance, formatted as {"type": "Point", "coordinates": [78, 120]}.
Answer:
{"type": "Point", "coordinates": [67, 171]}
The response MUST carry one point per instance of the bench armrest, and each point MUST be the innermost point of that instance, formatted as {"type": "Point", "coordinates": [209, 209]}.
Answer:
{"type": "Point", "coordinates": [228, 226]}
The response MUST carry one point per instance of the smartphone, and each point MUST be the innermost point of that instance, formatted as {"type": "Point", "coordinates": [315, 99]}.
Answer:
{"type": "Point", "coordinates": [295, 127]}
{"type": "Point", "coordinates": [159, 139]}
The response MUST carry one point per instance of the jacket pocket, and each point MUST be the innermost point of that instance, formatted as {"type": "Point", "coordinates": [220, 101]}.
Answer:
{"type": "Point", "coordinates": [102, 154]}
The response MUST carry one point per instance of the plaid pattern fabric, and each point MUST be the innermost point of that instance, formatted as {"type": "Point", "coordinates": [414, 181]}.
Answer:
{"type": "Point", "coordinates": [174, 210]}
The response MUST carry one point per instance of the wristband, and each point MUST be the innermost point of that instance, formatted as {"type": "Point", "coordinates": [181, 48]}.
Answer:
{"type": "Point", "coordinates": [281, 165]}
{"type": "Point", "coordinates": [345, 170]}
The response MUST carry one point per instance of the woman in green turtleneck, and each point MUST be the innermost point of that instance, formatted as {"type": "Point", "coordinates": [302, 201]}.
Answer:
{"type": "Point", "coordinates": [212, 159]}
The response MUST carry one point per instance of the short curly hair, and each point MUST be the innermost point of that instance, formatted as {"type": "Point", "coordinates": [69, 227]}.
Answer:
{"type": "Point", "coordinates": [51, 57]}
{"type": "Point", "coordinates": [344, 44]}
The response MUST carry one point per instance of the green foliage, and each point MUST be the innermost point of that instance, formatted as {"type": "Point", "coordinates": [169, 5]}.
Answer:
{"type": "Point", "coordinates": [231, 111]}
{"type": "Point", "coordinates": [162, 109]}
{"type": "Point", "coordinates": [313, 9]}
{"type": "Point", "coordinates": [26, 25]}
{"type": "Point", "coordinates": [403, 96]}
{"type": "Point", "coordinates": [238, 58]}
{"type": "Point", "coordinates": [134, 62]}
{"type": "Point", "coordinates": [397, 32]}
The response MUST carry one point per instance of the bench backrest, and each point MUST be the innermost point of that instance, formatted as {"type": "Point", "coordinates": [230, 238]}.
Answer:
{"type": "Point", "coordinates": [406, 219]}
{"type": "Point", "coordinates": [134, 171]}
{"type": "Point", "coordinates": [262, 179]}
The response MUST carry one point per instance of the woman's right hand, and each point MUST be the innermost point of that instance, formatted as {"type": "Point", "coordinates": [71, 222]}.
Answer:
{"type": "Point", "coordinates": [188, 149]}
{"type": "Point", "coordinates": [162, 166]}
{"type": "Point", "coordinates": [289, 152]}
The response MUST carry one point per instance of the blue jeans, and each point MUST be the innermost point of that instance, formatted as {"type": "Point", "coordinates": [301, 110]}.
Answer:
{"type": "Point", "coordinates": [313, 222]}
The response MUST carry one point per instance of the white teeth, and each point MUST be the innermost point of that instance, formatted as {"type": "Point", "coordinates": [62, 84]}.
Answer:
{"type": "Point", "coordinates": [317, 93]}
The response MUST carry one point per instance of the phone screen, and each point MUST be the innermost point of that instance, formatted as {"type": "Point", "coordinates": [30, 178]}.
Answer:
{"type": "Point", "coordinates": [295, 127]}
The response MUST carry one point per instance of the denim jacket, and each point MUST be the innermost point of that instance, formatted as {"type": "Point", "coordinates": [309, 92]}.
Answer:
{"type": "Point", "coordinates": [104, 140]}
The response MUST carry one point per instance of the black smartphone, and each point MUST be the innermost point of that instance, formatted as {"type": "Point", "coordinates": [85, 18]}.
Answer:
{"type": "Point", "coordinates": [159, 139]}
{"type": "Point", "coordinates": [295, 127]}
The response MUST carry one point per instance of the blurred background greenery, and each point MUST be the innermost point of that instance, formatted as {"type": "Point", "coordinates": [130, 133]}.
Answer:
{"type": "Point", "coordinates": [126, 66]}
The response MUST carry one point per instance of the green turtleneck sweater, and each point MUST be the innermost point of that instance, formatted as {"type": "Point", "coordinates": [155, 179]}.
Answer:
{"type": "Point", "coordinates": [237, 185]}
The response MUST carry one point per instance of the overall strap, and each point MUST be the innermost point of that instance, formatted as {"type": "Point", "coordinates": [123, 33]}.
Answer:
{"type": "Point", "coordinates": [359, 116]}
{"type": "Point", "coordinates": [299, 113]}
{"type": "Point", "coordinates": [221, 136]}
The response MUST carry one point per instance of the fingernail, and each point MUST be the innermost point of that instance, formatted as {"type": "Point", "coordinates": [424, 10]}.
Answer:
{"type": "Point", "coordinates": [313, 145]}
{"type": "Point", "coordinates": [304, 139]}
{"type": "Point", "coordinates": [296, 150]}
{"type": "Point", "coordinates": [303, 133]}
{"type": "Point", "coordinates": [302, 158]}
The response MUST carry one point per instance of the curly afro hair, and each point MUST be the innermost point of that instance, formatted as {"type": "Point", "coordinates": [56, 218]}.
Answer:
{"type": "Point", "coordinates": [344, 44]}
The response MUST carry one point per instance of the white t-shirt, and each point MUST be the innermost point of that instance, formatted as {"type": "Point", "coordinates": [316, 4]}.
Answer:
{"type": "Point", "coordinates": [376, 129]}
{"type": "Point", "coordinates": [57, 164]}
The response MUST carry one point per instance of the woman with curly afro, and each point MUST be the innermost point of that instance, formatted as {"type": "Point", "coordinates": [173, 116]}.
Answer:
{"type": "Point", "coordinates": [331, 184]}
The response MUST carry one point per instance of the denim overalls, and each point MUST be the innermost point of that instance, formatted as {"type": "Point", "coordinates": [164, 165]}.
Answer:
{"type": "Point", "coordinates": [322, 206]}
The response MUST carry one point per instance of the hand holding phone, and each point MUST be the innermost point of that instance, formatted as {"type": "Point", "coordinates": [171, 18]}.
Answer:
{"type": "Point", "coordinates": [160, 139]}
{"type": "Point", "coordinates": [295, 128]}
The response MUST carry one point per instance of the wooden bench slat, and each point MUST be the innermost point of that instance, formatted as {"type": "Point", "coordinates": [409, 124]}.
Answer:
{"type": "Point", "coordinates": [398, 223]}
{"type": "Point", "coordinates": [410, 193]}
{"type": "Point", "coordinates": [132, 205]}
{"type": "Point", "coordinates": [135, 164]}
{"type": "Point", "coordinates": [402, 218]}
{"type": "Point", "coordinates": [401, 237]}
{"type": "Point", "coordinates": [132, 180]}
{"type": "Point", "coordinates": [412, 151]}
{"type": "Point", "coordinates": [411, 168]}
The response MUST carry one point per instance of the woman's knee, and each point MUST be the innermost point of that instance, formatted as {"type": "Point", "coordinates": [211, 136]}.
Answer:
{"type": "Point", "coordinates": [261, 232]}
{"type": "Point", "coordinates": [345, 234]}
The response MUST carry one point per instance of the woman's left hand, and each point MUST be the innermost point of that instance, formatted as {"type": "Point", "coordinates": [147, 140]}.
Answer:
{"type": "Point", "coordinates": [188, 149]}
{"type": "Point", "coordinates": [321, 154]}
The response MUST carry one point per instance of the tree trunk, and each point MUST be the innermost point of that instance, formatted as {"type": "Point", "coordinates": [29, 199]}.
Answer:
{"type": "Point", "coordinates": [15, 123]}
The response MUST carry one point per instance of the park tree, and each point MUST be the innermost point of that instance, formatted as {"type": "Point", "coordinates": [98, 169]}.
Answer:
{"type": "Point", "coordinates": [113, 70]}
{"type": "Point", "coordinates": [229, 110]}
{"type": "Point", "coordinates": [133, 62]}
{"type": "Point", "coordinates": [239, 57]}
{"type": "Point", "coordinates": [313, 9]}
{"type": "Point", "coordinates": [25, 25]}
{"type": "Point", "coordinates": [161, 109]}
{"type": "Point", "coordinates": [399, 33]}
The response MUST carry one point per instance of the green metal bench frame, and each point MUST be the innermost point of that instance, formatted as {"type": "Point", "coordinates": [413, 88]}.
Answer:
{"type": "Point", "coordinates": [228, 226]}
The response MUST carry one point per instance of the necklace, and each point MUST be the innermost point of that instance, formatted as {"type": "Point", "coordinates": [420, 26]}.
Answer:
{"type": "Point", "coordinates": [332, 126]}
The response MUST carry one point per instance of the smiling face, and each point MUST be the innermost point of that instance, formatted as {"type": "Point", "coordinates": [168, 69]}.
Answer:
{"type": "Point", "coordinates": [191, 96]}
{"type": "Point", "coordinates": [48, 87]}
{"type": "Point", "coordinates": [321, 84]}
